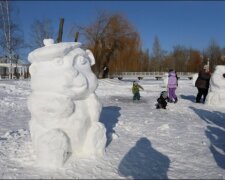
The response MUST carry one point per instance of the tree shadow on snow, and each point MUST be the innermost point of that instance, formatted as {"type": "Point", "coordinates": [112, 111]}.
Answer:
{"type": "Point", "coordinates": [144, 162]}
{"type": "Point", "coordinates": [188, 97]}
{"type": "Point", "coordinates": [109, 117]}
{"type": "Point", "coordinates": [215, 134]}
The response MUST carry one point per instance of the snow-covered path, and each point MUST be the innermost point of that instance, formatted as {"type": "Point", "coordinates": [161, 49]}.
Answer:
{"type": "Point", "coordinates": [187, 140]}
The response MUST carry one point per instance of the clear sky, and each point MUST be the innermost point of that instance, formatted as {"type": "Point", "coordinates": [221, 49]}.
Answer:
{"type": "Point", "coordinates": [189, 23]}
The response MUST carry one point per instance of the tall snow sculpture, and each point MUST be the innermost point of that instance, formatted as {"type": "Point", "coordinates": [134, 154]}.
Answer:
{"type": "Point", "coordinates": [216, 95]}
{"type": "Point", "coordinates": [165, 80]}
{"type": "Point", "coordinates": [64, 107]}
{"type": "Point", "coordinates": [194, 78]}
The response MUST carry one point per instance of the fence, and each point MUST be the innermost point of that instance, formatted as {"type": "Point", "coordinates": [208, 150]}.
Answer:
{"type": "Point", "coordinates": [156, 75]}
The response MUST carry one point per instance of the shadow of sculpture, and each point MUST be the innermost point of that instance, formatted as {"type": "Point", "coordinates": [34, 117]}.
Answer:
{"type": "Point", "coordinates": [215, 132]}
{"type": "Point", "coordinates": [109, 117]}
{"type": "Point", "coordinates": [144, 162]}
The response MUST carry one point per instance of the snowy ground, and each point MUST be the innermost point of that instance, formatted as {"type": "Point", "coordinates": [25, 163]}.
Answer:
{"type": "Point", "coordinates": [185, 141]}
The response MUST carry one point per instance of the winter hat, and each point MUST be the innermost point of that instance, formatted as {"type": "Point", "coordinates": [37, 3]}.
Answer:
{"type": "Point", "coordinates": [164, 94]}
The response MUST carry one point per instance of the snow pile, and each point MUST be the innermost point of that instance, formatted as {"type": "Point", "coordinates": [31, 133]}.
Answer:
{"type": "Point", "coordinates": [64, 107]}
{"type": "Point", "coordinates": [216, 95]}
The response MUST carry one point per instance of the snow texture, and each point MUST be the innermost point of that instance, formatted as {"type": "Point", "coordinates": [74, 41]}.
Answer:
{"type": "Point", "coordinates": [64, 107]}
{"type": "Point", "coordinates": [216, 95]}
{"type": "Point", "coordinates": [185, 141]}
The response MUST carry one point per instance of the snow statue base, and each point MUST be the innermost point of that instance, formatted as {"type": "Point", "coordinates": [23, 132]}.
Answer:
{"type": "Point", "coordinates": [216, 95]}
{"type": "Point", "coordinates": [64, 107]}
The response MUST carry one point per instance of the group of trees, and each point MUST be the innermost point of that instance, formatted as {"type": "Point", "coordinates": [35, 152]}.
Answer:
{"type": "Point", "coordinates": [114, 42]}
{"type": "Point", "coordinates": [184, 59]}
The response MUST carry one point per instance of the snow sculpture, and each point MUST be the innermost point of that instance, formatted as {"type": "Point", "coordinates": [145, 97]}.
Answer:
{"type": "Point", "coordinates": [165, 80]}
{"type": "Point", "coordinates": [64, 107]}
{"type": "Point", "coordinates": [194, 78]}
{"type": "Point", "coordinates": [216, 95]}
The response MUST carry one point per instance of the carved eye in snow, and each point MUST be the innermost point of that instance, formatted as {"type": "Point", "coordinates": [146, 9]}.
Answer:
{"type": "Point", "coordinates": [224, 75]}
{"type": "Point", "coordinates": [82, 60]}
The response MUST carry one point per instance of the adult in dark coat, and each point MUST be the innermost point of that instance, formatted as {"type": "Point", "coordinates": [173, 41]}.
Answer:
{"type": "Point", "coordinates": [202, 83]}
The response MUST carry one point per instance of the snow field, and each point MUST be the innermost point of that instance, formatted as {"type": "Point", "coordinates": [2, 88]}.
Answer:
{"type": "Point", "coordinates": [184, 141]}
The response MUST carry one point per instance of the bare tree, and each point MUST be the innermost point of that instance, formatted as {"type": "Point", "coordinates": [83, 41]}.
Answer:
{"type": "Point", "coordinates": [109, 37]}
{"type": "Point", "coordinates": [213, 52]}
{"type": "Point", "coordinates": [157, 54]}
{"type": "Point", "coordinates": [195, 61]}
{"type": "Point", "coordinates": [40, 30]}
{"type": "Point", "coordinates": [11, 37]}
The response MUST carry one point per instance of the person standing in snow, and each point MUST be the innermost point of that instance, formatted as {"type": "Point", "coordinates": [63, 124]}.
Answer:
{"type": "Point", "coordinates": [135, 90]}
{"type": "Point", "coordinates": [202, 83]}
{"type": "Point", "coordinates": [105, 72]}
{"type": "Point", "coordinates": [172, 85]}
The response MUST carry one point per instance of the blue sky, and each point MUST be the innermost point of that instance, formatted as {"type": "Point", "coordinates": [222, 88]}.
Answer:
{"type": "Point", "coordinates": [189, 23]}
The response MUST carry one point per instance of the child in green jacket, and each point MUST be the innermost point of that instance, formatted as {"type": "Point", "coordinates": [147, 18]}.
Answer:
{"type": "Point", "coordinates": [135, 90]}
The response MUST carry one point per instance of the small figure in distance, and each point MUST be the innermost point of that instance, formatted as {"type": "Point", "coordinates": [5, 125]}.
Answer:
{"type": "Point", "coordinates": [172, 86]}
{"type": "Point", "coordinates": [161, 101]}
{"type": "Point", "coordinates": [135, 90]}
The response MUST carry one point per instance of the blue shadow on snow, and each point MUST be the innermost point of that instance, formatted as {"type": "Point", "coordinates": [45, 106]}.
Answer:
{"type": "Point", "coordinates": [109, 117]}
{"type": "Point", "coordinates": [216, 135]}
{"type": "Point", "coordinates": [188, 97]}
{"type": "Point", "coordinates": [144, 162]}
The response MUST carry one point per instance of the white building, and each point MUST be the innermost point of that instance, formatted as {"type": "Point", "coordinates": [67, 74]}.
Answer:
{"type": "Point", "coordinates": [17, 70]}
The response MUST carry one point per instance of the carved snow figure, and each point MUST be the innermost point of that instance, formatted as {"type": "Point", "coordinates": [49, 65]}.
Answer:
{"type": "Point", "coordinates": [64, 107]}
{"type": "Point", "coordinates": [165, 80]}
{"type": "Point", "coordinates": [216, 95]}
{"type": "Point", "coordinates": [194, 78]}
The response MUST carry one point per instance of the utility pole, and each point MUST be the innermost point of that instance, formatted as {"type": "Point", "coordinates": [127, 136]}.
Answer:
{"type": "Point", "coordinates": [76, 36]}
{"type": "Point", "coordinates": [60, 33]}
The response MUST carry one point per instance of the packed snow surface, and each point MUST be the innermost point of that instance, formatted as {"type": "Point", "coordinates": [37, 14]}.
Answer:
{"type": "Point", "coordinates": [184, 141]}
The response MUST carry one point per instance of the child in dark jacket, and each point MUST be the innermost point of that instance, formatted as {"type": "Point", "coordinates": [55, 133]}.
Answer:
{"type": "Point", "coordinates": [162, 100]}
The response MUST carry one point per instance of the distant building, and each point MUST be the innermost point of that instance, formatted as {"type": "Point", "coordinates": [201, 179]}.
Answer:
{"type": "Point", "coordinates": [18, 69]}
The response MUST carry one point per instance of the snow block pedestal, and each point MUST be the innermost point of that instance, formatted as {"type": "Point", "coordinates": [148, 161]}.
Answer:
{"type": "Point", "coordinates": [64, 107]}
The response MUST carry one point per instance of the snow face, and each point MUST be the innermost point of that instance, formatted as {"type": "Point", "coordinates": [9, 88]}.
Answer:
{"type": "Point", "coordinates": [64, 107]}
{"type": "Point", "coordinates": [216, 95]}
